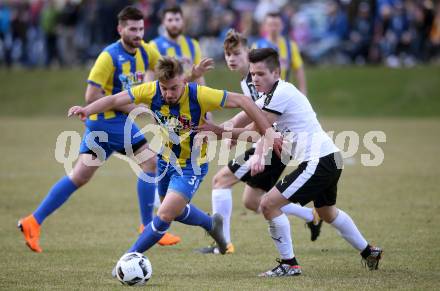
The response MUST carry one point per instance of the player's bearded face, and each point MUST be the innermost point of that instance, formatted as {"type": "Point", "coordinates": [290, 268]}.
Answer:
{"type": "Point", "coordinates": [262, 77]}
{"type": "Point", "coordinates": [132, 32]}
{"type": "Point", "coordinates": [172, 89]}
{"type": "Point", "coordinates": [173, 23]}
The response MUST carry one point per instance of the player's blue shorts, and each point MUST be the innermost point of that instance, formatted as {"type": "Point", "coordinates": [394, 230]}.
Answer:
{"type": "Point", "coordinates": [186, 183]}
{"type": "Point", "coordinates": [107, 135]}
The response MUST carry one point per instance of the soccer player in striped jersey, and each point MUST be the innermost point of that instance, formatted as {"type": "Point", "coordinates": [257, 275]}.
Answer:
{"type": "Point", "coordinates": [175, 44]}
{"type": "Point", "coordinates": [119, 67]}
{"type": "Point", "coordinates": [290, 57]}
{"type": "Point", "coordinates": [179, 108]}
{"type": "Point", "coordinates": [236, 55]}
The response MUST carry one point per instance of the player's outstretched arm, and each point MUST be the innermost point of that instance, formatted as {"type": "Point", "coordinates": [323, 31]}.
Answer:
{"type": "Point", "coordinates": [235, 100]}
{"type": "Point", "coordinates": [219, 130]}
{"type": "Point", "coordinates": [101, 105]}
{"type": "Point", "coordinates": [257, 159]}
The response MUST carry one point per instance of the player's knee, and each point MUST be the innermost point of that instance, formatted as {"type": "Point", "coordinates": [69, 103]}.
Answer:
{"type": "Point", "coordinates": [216, 181]}
{"type": "Point", "coordinates": [166, 216]}
{"type": "Point", "coordinates": [148, 166]}
{"type": "Point", "coordinates": [221, 181]}
{"type": "Point", "coordinates": [328, 214]}
{"type": "Point", "coordinates": [266, 207]}
{"type": "Point", "coordinates": [80, 179]}
{"type": "Point", "coordinates": [251, 204]}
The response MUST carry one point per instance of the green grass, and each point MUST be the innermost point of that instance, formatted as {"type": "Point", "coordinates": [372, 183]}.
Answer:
{"type": "Point", "coordinates": [395, 205]}
{"type": "Point", "coordinates": [346, 91]}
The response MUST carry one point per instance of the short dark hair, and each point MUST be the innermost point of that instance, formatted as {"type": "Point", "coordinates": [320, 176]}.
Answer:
{"type": "Point", "coordinates": [172, 9]}
{"type": "Point", "coordinates": [129, 13]}
{"type": "Point", "coordinates": [267, 55]}
{"type": "Point", "coordinates": [168, 68]}
{"type": "Point", "coordinates": [273, 14]}
{"type": "Point", "coordinates": [233, 40]}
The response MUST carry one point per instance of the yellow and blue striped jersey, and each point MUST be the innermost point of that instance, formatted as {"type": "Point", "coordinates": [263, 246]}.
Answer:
{"type": "Point", "coordinates": [290, 58]}
{"type": "Point", "coordinates": [116, 70]}
{"type": "Point", "coordinates": [186, 49]}
{"type": "Point", "coordinates": [177, 121]}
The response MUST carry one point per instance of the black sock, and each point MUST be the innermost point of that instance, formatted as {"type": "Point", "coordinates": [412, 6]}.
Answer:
{"type": "Point", "coordinates": [292, 262]}
{"type": "Point", "coordinates": [366, 252]}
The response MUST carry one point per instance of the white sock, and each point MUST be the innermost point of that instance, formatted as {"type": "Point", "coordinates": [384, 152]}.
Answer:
{"type": "Point", "coordinates": [299, 211]}
{"type": "Point", "coordinates": [222, 204]}
{"type": "Point", "coordinates": [279, 230]}
{"type": "Point", "coordinates": [348, 230]}
{"type": "Point", "coordinates": [156, 199]}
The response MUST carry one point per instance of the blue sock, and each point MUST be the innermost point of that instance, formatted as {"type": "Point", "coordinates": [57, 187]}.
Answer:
{"type": "Point", "coordinates": [56, 197]}
{"type": "Point", "coordinates": [191, 215]}
{"type": "Point", "coordinates": [146, 192]}
{"type": "Point", "coordinates": [152, 233]}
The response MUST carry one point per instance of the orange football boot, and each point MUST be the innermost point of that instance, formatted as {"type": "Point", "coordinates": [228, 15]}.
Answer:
{"type": "Point", "coordinates": [31, 231]}
{"type": "Point", "coordinates": [167, 240]}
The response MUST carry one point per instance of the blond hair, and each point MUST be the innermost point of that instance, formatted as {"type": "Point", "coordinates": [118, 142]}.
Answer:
{"type": "Point", "coordinates": [233, 40]}
{"type": "Point", "coordinates": [168, 68]}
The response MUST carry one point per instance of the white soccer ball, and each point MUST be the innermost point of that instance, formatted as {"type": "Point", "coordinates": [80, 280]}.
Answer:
{"type": "Point", "coordinates": [133, 269]}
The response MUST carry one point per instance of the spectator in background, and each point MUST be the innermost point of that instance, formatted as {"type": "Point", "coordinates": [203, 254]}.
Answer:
{"type": "Point", "coordinates": [422, 17]}
{"type": "Point", "coordinates": [5, 35]}
{"type": "Point", "coordinates": [397, 38]}
{"type": "Point", "coordinates": [290, 58]}
{"type": "Point", "coordinates": [361, 35]}
{"type": "Point", "coordinates": [49, 18]}
{"type": "Point", "coordinates": [434, 36]}
{"type": "Point", "coordinates": [20, 24]}
{"type": "Point", "coordinates": [265, 7]}
{"type": "Point", "coordinates": [336, 33]}
{"type": "Point", "coordinates": [36, 53]}
{"type": "Point", "coordinates": [194, 18]}
{"type": "Point", "coordinates": [150, 10]}
{"type": "Point", "coordinates": [68, 20]}
{"type": "Point", "coordinates": [87, 31]}
{"type": "Point", "coordinates": [301, 32]}
{"type": "Point", "coordinates": [247, 24]}
{"type": "Point", "coordinates": [402, 29]}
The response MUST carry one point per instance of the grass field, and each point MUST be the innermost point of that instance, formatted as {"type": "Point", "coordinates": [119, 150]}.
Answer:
{"type": "Point", "coordinates": [396, 205]}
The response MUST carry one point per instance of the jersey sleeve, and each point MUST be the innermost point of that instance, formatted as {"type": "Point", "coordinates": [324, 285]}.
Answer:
{"type": "Point", "coordinates": [101, 71]}
{"type": "Point", "coordinates": [276, 103]}
{"type": "Point", "coordinates": [211, 99]}
{"type": "Point", "coordinates": [153, 55]}
{"type": "Point", "coordinates": [197, 52]}
{"type": "Point", "coordinates": [297, 61]}
{"type": "Point", "coordinates": [143, 93]}
{"type": "Point", "coordinates": [153, 44]}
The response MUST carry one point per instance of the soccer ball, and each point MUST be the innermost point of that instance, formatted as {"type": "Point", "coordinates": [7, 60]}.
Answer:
{"type": "Point", "coordinates": [133, 269]}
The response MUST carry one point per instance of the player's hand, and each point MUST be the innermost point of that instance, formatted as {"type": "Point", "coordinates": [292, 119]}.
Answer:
{"type": "Point", "coordinates": [210, 127]}
{"type": "Point", "coordinates": [273, 140]}
{"type": "Point", "coordinates": [78, 111]}
{"type": "Point", "coordinates": [204, 66]}
{"type": "Point", "coordinates": [257, 164]}
{"type": "Point", "coordinates": [230, 143]}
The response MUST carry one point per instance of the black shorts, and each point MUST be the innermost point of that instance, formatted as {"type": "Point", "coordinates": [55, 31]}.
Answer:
{"type": "Point", "coordinates": [315, 181]}
{"type": "Point", "coordinates": [264, 180]}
